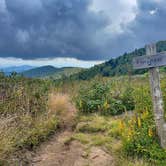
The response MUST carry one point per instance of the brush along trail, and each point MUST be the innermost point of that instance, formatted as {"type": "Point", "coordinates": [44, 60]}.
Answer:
{"type": "Point", "coordinates": [59, 152]}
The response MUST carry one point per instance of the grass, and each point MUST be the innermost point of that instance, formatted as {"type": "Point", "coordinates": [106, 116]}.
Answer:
{"type": "Point", "coordinates": [141, 146]}
{"type": "Point", "coordinates": [27, 129]}
{"type": "Point", "coordinates": [92, 126]}
{"type": "Point", "coordinates": [97, 130]}
{"type": "Point", "coordinates": [24, 131]}
{"type": "Point", "coordinates": [36, 116]}
{"type": "Point", "coordinates": [58, 103]}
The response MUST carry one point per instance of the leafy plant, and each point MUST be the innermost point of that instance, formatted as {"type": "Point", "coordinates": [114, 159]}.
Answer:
{"type": "Point", "coordinates": [97, 98]}
{"type": "Point", "coordinates": [128, 99]}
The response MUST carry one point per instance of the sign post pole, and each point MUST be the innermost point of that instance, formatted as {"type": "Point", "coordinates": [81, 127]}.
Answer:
{"type": "Point", "coordinates": [153, 60]}
{"type": "Point", "coordinates": [156, 97]}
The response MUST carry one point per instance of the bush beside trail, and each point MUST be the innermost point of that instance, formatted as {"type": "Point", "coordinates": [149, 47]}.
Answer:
{"type": "Point", "coordinates": [98, 98]}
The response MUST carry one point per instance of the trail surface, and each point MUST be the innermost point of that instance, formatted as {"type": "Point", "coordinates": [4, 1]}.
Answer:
{"type": "Point", "coordinates": [56, 152]}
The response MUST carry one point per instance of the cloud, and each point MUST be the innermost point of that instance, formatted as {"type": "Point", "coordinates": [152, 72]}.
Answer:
{"type": "Point", "coordinates": [120, 13]}
{"type": "Point", "coordinates": [54, 28]}
{"type": "Point", "coordinates": [148, 26]}
{"type": "Point", "coordinates": [81, 29]}
{"type": "Point", "coordinates": [57, 62]}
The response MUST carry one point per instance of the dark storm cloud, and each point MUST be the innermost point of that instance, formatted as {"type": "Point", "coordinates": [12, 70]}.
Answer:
{"type": "Point", "coordinates": [149, 26]}
{"type": "Point", "coordinates": [32, 29]}
{"type": "Point", "coordinates": [52, 28]}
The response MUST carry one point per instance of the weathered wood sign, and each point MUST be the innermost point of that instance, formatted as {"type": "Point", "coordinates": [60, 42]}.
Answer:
{"type": "Point", "coordinates": [143, 62]}
{"type": "Point", "coordinates": [153, 60]}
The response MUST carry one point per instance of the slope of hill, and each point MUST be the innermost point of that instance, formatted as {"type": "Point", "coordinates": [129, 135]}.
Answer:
{"type": "Point", "coordinates": [40, 71]}
{"type": "Point", "coordinates": [65, 72]}
{"type": "Point", "coordinates": [50, 71]}
{"type": "Point", "coordinates": [121, 65]}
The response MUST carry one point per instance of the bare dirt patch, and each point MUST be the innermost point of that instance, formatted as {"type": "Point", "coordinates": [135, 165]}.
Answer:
{"type": "Point", "coordinates": [56, 152]}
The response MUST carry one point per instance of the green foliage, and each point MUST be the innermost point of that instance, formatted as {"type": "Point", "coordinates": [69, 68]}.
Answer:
{"type": "Point", "coordinates": [139, 133]}
{"type": "Point", "coordinates": [128, 99]}
{"type": "Point", "coordinates": [40, 131]}
{"type": "Point", "coordinates": [96, 124]}
{"type": "Point", "coordinates": [144, 142]}
{"type": "Point", "coordinates": [97, 98]}
{"type": "Point", "coordinates": [91, 98]}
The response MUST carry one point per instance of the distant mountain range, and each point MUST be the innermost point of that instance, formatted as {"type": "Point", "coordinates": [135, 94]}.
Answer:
{"type": "Point", "coordinates": [18, 69]}
{"type": "Point", "coordinates": [41, 72]}
{"type": "Point", "coordinates": [50, 71]}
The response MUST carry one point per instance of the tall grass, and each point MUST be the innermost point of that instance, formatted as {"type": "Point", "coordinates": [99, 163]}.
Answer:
{"type": "Point", "coordinates": [28, 114]}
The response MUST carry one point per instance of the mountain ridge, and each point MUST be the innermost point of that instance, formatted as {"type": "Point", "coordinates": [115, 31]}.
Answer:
{"type": "Point", "coordinates": [50, 71]}
{"type": "Point", "coordinates": [18, 69]}
{"type": "Point", "coordinates": [121, 65]}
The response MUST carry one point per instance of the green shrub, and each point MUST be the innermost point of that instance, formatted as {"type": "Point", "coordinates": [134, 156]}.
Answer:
{"type": "Point", "coordinates": [139, 132]}
{"type": "Point", "coordinates": [97, 98]}
{"type": "Point", "coordinates": [91, 98]}
{"type": "Point", "coordinates": [144, 142]}
{"type": "Point", "coordinates": [41, 129]}
{"type": "Point", "coordinates": [115, 107]}
{"type": "Point", "coordinates": [128, 99]}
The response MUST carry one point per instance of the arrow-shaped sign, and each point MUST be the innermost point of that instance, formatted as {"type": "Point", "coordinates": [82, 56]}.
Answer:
{"type": "Point", "coordinates": [143, 62]}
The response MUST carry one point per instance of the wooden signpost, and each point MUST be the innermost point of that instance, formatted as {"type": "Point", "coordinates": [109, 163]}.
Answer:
{"type": "Point", "coordinates": [153, 60]}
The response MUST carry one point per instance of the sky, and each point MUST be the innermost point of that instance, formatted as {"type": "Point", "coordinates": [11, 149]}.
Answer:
{"type": "Point", "coordinates": [76, 32]}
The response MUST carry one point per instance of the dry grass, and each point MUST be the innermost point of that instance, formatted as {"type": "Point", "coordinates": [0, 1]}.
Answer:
{"type": "Point", "coordinates": [7, 131]}
{"type": "Point", "coordinates": [24, 131]}
{"type": "Point", "coordinates": [61, 106]}
{"type": "Point", "coordinates": [58, 103]}
{"type": "Point", "coordinates": [18, 131]}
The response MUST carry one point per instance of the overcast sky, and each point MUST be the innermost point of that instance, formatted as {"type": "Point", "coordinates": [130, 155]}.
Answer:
{"type": "Point", "coordinates": [76, 31]}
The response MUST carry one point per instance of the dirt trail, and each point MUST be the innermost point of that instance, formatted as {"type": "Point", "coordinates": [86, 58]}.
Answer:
{"type": "Point", "coordinates": [56, 152]}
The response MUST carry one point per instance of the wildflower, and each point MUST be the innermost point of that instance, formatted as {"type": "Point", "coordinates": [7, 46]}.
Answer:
{"type": "Point", "coordinates": [139, 121]}
{"type": "Point", "coordinates": [134, 120]}
{"type": "Point", "coordinates": [150, 132]}
{"type": "Point", "coordinates": [121, 125]}
{"type": "Point", "coordinates": [145, 114]}
{"type": "Point", "coordinates": [106, 105]}
{"type": "Point", "coordinates": [130, 133]}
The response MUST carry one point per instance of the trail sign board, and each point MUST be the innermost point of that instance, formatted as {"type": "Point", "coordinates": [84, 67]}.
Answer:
{"type": "Point", "coordinates": [153, 60]}
{"type": "Point", "coordinates": [143, 62]}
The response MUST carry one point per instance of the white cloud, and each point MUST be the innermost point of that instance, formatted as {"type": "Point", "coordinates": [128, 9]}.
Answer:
{"type": "Point", "coordinates": [57, 62]}
{"type": "Point", "coordinates": [120, 13]}
{"type": "Point", "coordinates": [2, 6]}
{"type": "Point", "coordinates": [153, 12]}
